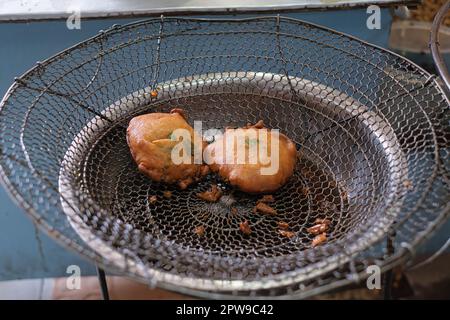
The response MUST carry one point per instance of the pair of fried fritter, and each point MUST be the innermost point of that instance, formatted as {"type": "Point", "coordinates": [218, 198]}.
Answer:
{"type": "Point", "coordinates": [151, 142]}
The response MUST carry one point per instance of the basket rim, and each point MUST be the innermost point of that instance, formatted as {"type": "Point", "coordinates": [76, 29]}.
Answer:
{"type": "Point", "coordinates": [69, 199]}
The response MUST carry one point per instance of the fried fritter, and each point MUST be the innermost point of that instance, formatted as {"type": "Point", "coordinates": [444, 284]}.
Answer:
{"type": "Point", "coordinates": [254, 159]}
{"type": "Point", "coordinates": [151, 141]}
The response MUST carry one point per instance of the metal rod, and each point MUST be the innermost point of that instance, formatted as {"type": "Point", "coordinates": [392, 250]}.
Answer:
{"type": "Point", "coordinates": [387, 285]}
{"type": "Point", "coordinates": [433, 257]}
{"type": "Point", "coordinates": [389, 275]}
{"type": "Point", "coordinates": [103, 283]}
{"type": "Point", "coordinates": [434, 47]}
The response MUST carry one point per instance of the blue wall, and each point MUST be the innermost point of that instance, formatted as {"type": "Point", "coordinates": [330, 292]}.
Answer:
{"type": "Point", "coordinates": [21, 45]}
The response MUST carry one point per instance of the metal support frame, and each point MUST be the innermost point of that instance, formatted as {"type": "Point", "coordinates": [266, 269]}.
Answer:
{"type": "Point", "coordinates": [389, 275]}
{"type": "Point", "coordinates": [102, 281]}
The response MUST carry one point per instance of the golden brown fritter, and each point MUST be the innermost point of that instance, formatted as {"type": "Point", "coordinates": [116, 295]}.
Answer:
{"type": "Point", "coordinates": [250, 171]}
{"type": "Point", "coordinates": [150, 138]}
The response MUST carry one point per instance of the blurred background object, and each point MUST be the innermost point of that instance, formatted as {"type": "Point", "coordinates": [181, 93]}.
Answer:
{"type": "Point", "coordinates": [410, 34]}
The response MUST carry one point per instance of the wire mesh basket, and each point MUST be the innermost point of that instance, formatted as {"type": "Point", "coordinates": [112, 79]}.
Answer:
{"type": "Point", "coordinates": [372, 130]}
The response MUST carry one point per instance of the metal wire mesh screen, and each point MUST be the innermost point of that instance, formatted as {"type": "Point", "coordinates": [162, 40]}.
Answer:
{"type": "Point", "coordinates": [371, 128]}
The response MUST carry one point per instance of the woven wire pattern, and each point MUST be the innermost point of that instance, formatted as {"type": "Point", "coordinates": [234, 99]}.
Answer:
{"type": "Point", "coordinates": [372, 131]}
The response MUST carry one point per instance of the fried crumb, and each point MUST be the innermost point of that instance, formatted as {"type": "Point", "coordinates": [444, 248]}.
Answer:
{"type": "Point", "coordinates": [322, 221]}
{"type": "Point", "coordinates": [268, 198]}
{"type": "Point", "coordinates": [283, 225]}
{"type": "Point", "coordinates": [245, 227]}
{"type": "Point", "coordinates": [152, 199]}
{"type": "Point", "coordinates": [234, 211]}
{"type": "Point", "coordinates": [286, 233]}
{"type": "Point", "coordinates": [167, 194]}
{"type": "Point", "coordinates": [304, 191]}
{"type": "Point", "coordinates": [153, 93]}
{"type": "Point", "coordinates": [211, 195]}
{"type": "Point", "coordinates": [200, 230]}
{"type": "Point", "coordinates": [408, 184]}
{"type": "Point", "coordinates": [258, 125]}
{"type": "Point", "coordinates": [318, 228]}
{"type": "Point", "coordinates": [264, 208]}
{"type": "Point", "coordinates": [319, 239]}
{"type": "Point", "coordinates": [344, 195]}
{"type": "Point", "coordinates": [183, 184]}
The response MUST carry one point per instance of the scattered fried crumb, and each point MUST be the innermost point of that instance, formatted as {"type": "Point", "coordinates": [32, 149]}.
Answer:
{"type": "Point", "coordinates": [152, 199]}
{"type": "Point", "coordinates": [268, 198]}
{"type": "Point", "coordinates": [153, 93]}
{"type": "Point", "coordinates": [408, 184]}
{"type": "Point", "coordinates": [264, 208]}
{"type": "Point", "coordinates": [322, 221]}
{"type": "Point", "coordinates": [167, 194]}
{"type": "Point", "coordinates": [283, 225]}
{"type": "Point", "coordinates": [258, 125]}
{"type": "Point", "coordinates": [304, 191]}
{"type": "Point", "coordinates": [234, 211]}
{"type": "Point", "coordinates": [200, 230]}
{"type": "Point", "coordinates": [319, 239]}
{"type": "Point", "coordinates": [332, 184]}
{"type": "Point", "coordinates": [344, 195]}
{"type": "Point", "coordinates": [286, 233]}
{"type": "Point", "coordinates": [318, 228]}
{"type": "Point", "coordinates": [183, 184]}
{"type": "Point", "coordinates": [211, 195]}
{"type": "Point", "coordinates": [245, 227]}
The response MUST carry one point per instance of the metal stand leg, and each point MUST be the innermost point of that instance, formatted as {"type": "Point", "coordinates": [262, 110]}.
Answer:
{"type": "Point", "coordinates": [103, 284]}
{"type": "Point", "coordinates": [387, 285]}
{"type": "Point", "coordinates": [389, 275]}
